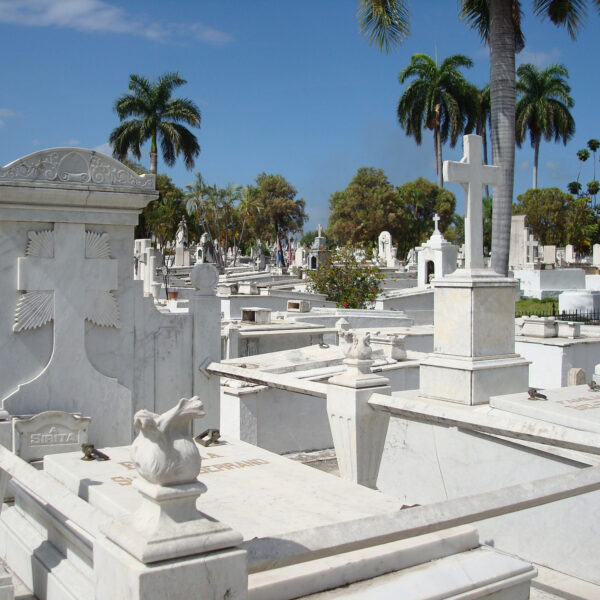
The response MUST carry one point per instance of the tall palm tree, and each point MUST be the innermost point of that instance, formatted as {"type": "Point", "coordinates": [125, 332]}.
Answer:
{"type": "Point", "coordinates": [158, 117]}
{"type": "Point", "coordinates": [385, 23]}
{"type": "Point", "coordinates": [438, 98]}
{"type": "Point", "coordinates": [543, 108]}
{"type": "Point", "coordinates": [499, 24]}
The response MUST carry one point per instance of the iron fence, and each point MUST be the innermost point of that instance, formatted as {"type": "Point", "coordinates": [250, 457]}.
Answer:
{"type": "Point", "coordinates": [578, 316]}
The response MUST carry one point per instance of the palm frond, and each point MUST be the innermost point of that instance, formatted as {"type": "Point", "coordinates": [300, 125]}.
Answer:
{"type": "Point", "coordinates": [385, 23]}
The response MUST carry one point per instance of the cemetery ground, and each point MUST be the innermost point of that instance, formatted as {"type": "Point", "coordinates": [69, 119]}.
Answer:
{"type": "Point", "coordinates": [247, 437]}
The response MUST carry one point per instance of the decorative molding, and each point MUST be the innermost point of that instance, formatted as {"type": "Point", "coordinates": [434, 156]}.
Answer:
{"type": "Point", "coordinates": [102, 309]}
{"type": "Point", "coordinates": [75, 166]}
{"type": "Point", "coordinates": [96, 245]}
{"type": "Point", "coordinates": [41, 243]}
{"type": "Point", "coordinates": [34, 309]}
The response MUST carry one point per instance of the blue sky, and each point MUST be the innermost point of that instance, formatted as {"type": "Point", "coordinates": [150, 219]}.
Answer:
{"type": "Point", "coordinates": [283, 86]}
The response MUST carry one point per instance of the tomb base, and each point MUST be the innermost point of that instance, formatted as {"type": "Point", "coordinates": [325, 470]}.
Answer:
{"type": "Point", "coordinates": [474, 339]}
{"type": "Point", "coordinates": [472, 381]}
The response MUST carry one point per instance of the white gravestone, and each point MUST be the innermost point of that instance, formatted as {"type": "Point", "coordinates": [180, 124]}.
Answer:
{"type": "Point", "coordinates": [472, 174]}
{"type": "Point", "coordinates": [596, 255]}
{"type": "Point", "coordinates": [49, 432]}
{"type": "Point", "coordinates": [474, 309]}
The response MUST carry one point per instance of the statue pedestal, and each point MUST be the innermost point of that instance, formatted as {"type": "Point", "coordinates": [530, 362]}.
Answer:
{"type": "Point", "coordinates": [474, 340]}
{"type": "Point", "coordinates": [167, 525]}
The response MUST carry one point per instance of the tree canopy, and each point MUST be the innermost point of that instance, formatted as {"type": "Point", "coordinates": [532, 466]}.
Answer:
{"type": "Point", "coordinates": [370, 204]}
{"type": "Point", "coordinates": [158, 118]}
{"type": "Point", "coordinates": [558, 218]}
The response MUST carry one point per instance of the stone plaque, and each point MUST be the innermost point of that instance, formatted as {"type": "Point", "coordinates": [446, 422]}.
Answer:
{"type": "Point", "coordinates": [49, 432]}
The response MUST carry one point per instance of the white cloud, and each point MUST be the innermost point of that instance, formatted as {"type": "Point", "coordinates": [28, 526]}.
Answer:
{"type": "Point", "coordinates": [6, 113]}
{"type": "Point", "coordinates": [35, 143]}
{"type": "Point", "coordinates": [105, 148]}
{"type": "Point", "coordinates": [540, 59]}
{"type": "Point", "coordinates": [525, 165]}
{"type": "Point", "coordinates": [72, 142]}
{"type": "Point", "coordinates": [97, 16]}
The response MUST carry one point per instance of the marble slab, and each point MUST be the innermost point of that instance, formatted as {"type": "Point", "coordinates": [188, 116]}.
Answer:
{"type": "Point", "coordinates": [262, 495]}
{"type": "Point", "coordinates": [574, 406]}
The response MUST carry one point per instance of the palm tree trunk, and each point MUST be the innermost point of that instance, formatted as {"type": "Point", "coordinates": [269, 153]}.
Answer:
{"type": "Point", "coordinates": [438, 145]}
{"type": "Point", "coordinates": [536, 156]}
{"type": "Point", "coordinates": [485, 157]}
{"type": "Point", "coordinates": [153, 154]}
{"type": "Point", "coordinates": [502, 91]}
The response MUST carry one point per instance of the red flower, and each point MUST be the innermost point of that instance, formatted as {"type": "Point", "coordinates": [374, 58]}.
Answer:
{"type": "Point", "coordinates": [345, 303]}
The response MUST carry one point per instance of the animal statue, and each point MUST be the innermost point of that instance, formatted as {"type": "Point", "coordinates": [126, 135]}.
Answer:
{"type": "Point", "coordinates": [360, 347]}
{"type": "Point", "coordinates": [164, 452]}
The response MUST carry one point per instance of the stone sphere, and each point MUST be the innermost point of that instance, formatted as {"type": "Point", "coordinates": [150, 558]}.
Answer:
{"type": "Point", "coordinates": [204, 277]}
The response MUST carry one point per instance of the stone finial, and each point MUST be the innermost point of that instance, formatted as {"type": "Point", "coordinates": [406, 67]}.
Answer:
{"type": "Point", "coordinates": [164, 452]}
{"type": "Point", "coordinates": [204, 277]}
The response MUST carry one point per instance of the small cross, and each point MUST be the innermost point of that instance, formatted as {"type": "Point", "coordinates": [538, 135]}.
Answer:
{"type": "Point", "coordinates": [472, 174]}
{"type": "Point", "coordinates": [436, 220]}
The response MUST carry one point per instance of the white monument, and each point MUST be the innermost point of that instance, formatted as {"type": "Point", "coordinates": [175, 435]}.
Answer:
{"type": "Point", "coordinates": [474, 343]}
{"type": "Point", "coordinates": [436, 257]}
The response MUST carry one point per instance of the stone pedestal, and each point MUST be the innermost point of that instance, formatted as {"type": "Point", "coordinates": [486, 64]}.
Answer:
{"type": "Point", "coordinates": [474, 354]}
{"type": "Point", "coordinates": [358, 430]}
{"type": "Point", "coordinates": [167, 525]}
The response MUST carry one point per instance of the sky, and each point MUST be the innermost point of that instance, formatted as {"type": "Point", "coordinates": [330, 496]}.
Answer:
{"type": "Point", "coordinates": [283, 86]}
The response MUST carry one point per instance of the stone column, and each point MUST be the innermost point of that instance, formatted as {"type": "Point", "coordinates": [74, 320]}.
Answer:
{"type": "Point", "coordinates": [205, 308]}
{"type": "Point", "coordinates": [357, 429]}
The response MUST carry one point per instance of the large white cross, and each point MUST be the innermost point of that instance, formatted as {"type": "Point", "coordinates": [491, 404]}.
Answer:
{"type": "Point", "coordinates": [436, 220]}
{"type": "Point", "coordinates": [472, 174]}
{"type": "Point", "coordinates": [69, 274]}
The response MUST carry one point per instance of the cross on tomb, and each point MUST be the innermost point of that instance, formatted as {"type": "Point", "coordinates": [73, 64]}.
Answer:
{"type": "Point", "coordinates": [472, 174]}
{"type": "Point", "coordinates": [70, 276]}
{"type": "Point", "coordinates": [436, 220]}
{"type": "Point", "coordinates": [532, 244]}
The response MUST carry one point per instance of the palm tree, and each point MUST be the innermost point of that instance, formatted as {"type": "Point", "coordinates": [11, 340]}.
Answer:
{"type": "Point", "coordinates": [385, 23]}
{"type": "Point", "coordinates": [593, 145]}
{"type": "Point", "coordinates": [438, 98]}
{"type": "Point", "coordinates": [543, 108]}
{"type": "Point", "coordinates": [158, 117]}
{"type": "Point", "coordinates": [499, 24]}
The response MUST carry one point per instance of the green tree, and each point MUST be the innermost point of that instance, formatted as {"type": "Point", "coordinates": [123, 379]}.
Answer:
{"type": "Point", "coordinates": [499, 24]}
{"type": "Point", "coordinates": [158, 118]}
{"type": "Point", "coordinates": [438, 98]}
{"type": "Point", "coordinates": [278, 211]}
{"type": "Point", "coordinates": [368, 205]}
{"type": "Point", "coordinates": [162, 216]}
{"type": "Point", "coordinates": [593, 145]}
{"type": "Point", "coordinates": [421, 200]}
{"type": "Point", "coordinates": [345, 280]}
{"type": "Point", "coordinates": [555, 217]}
{"type": "Point", "coordinates": [542, 108]}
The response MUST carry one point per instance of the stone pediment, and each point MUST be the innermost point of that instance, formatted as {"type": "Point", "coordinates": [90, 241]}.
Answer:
{"type": "Point", "coordinates": [74, 166]}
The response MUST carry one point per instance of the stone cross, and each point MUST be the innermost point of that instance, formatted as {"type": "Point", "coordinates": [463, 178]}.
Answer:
{"type": "Point", "coordinates": [69, 275]}
{"type": "Point", "coordinates": [472, 174]}
{"type": "Point", "coordinates": [532, 244]}
{"type": "Point", "coordinates": [436, 220]}
{"type": "Point", "coordinates": [320, 230]}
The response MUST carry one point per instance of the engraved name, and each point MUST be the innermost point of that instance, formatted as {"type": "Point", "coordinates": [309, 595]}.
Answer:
{"type": "Point", "coordinates": [52, 437]}
{"type": "Point", "coordinates": [580, 403]}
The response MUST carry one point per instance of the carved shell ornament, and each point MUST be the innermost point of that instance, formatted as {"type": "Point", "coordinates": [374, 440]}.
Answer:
{"type": "Point", "coordinates": [164, 452]}
{"type": "Point", "coordinates": [35, 308]}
